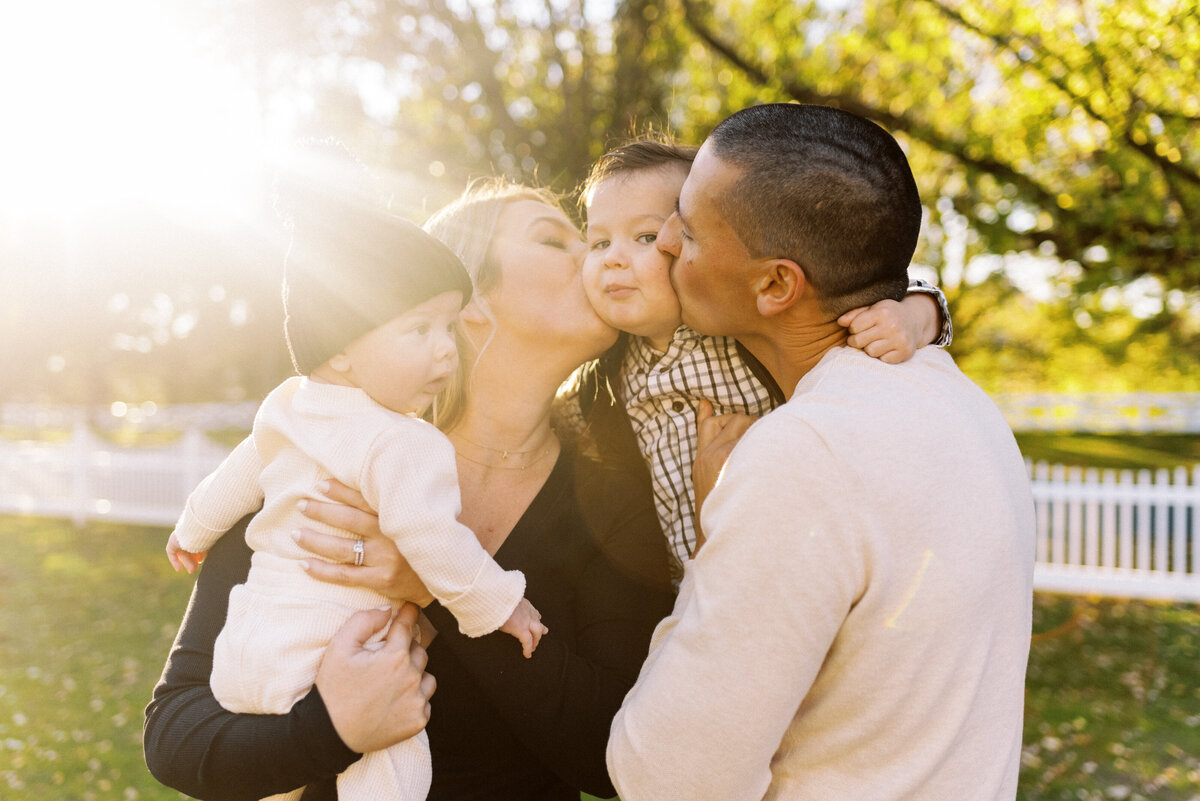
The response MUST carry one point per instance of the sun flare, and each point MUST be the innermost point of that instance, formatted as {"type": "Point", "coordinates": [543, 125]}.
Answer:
{"type": "Point", "coordinates": [116, 104]}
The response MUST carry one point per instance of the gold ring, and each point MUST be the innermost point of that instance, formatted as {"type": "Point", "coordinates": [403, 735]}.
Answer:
{"type": "Point", "coordinates": [359, 549]}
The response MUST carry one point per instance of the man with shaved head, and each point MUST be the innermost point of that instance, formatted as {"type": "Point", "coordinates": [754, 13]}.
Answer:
{"type": "Point", "coordinates": [857, 624]}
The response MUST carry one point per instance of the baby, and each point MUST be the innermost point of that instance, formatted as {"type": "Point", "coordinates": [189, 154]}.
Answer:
{"type": "Point", "coordinates": [663, 373]}
{"type": "Point", "coordinates": [372, 307]}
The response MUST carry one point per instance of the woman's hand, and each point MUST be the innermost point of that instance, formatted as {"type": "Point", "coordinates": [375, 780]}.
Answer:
{"type": "Point", "coordinates": [382, 567]}
{"type": "Point", "coordinates": [376, 697]}
{"type": "Point", "coordinates": [892, 331]}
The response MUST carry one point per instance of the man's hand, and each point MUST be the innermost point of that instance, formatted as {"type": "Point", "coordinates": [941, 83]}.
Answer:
{"type": "Point", "coordinates": [376, 697]}
{"type": "Point", "coordinates": [716, 436]}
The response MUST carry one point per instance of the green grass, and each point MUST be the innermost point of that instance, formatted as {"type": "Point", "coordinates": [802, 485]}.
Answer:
{"type": "Point", "coordinates": [86, 621]}
{"type": "Point", "coordinates": [1112, 699]}
{"type": "Point", "coordinates": [1119, 451]}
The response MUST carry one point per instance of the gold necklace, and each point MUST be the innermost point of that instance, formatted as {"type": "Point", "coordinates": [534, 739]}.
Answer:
{"type": "Point", "coordinates": [491, 466]}
{"type": "Point", "coordinates": [544, 449]}
{"type": "Point", "coordinates": [504, 452]}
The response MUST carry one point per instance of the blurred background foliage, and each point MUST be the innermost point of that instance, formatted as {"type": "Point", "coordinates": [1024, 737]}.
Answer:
{"type": "Point", "coordinates": [1056, 146]}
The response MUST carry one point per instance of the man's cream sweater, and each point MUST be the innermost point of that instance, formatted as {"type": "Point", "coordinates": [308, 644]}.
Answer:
{"type": "Point", "coordinates": [857, 625]}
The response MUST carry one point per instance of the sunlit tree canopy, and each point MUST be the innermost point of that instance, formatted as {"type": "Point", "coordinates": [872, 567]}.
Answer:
{"type": "Point", "coordinates": [1056, 144]}
{"type": "Point", "coordinates": [1070, 124]}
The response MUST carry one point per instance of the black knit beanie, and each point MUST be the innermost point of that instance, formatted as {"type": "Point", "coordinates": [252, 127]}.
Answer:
{"type": "Point", "coordinates": [353, 267]}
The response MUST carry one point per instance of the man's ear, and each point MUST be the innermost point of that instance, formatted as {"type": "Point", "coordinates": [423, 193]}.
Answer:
{"type": "Point", "coordinates": [780, 285]}
{"type": "Point", "coordinates": [475, 311]}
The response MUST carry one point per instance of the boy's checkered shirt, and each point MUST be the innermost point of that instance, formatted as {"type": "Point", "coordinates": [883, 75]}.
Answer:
{"type": "Point", "coordinates": [660, 392]}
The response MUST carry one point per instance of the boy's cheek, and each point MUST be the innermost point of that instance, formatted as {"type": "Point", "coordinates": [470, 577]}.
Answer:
{"type": "Point", "coordinates": [591, 288]}
{"type": "Point", "coordinates": [591, 262]}
{"type": "Point", "coordinates": [591, 271]}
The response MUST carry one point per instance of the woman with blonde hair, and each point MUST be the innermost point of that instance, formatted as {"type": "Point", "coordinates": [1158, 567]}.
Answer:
{"type": "Point", "coordinates": [584, 533]}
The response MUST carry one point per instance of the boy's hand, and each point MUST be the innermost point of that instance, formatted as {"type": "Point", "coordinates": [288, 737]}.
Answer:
{"type": "Point", "coordinates": [716, 436]}
{"type": "Point", "coordinates": [525, 623]}
{"type": "Point", "coordinates": [892, 331]}
{"type": "Point", "coordinates": [181, 559]}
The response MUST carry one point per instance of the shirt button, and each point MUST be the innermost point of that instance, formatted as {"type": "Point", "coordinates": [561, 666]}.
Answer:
{"type": "Point", "coordinates": [678, 406]}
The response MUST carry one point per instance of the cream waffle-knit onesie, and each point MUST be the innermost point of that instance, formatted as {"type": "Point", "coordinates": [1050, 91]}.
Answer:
{"type": "Point", "coordinates": [281, 620]}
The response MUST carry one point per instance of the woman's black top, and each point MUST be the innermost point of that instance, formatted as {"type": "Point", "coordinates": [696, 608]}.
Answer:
{"type": "Point", "coordinates": [503, 727]}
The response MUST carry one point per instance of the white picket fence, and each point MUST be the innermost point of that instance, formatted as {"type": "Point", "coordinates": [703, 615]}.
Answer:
{"type": "Point", "coordinates": [1108, 533]}
{"type": "Point", "coordinates": [87, 478]}
{"type": "Point", "coordinates": [1123, 533]}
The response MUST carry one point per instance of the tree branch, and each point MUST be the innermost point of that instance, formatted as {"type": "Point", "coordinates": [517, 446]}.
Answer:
{"type": "Point", "coordinates": [1069, 246]}
{"type": "Point", "coordinates": [471, 38]}
{"type": "Point", "coordinates": [904, 122]}
{"type": "Point", "coordinates": [1009, 43]}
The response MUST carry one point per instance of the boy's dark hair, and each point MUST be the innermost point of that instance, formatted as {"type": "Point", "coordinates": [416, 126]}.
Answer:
{"type": "Point", "coordinates": [827, 189]}
{"type": "Point", "coordinates": [646, 152]}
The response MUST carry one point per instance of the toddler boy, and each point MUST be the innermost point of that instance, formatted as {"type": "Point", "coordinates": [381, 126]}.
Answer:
{"type": "Point", "coordinates": [660, 371]}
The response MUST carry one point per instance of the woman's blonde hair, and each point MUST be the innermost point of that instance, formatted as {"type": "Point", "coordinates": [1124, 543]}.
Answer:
{"type": "Point", "coordinates": [467, 226]}
{"type": "Point", "coordinates": [449, 404]}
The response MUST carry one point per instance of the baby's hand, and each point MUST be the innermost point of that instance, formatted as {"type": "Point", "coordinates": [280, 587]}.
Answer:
{"type": "Point", "coordinates": [525, 623]}
{"type": "Point", "coordinates": [181, 559]}
{"type": "Point", "coordinates": [892, 331]}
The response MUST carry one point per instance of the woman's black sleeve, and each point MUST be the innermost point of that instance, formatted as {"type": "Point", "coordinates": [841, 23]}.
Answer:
{"type": "Point", "coordinates": [561, 702]}
{"type": "Point", "coordinates": [195, 746]}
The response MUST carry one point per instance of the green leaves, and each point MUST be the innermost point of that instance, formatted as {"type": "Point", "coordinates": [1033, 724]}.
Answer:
{"type": "Point", "coordinates": [1085, 111]}
{"type": "Point", "coordinates": [1088, 112]}
{"type": "Point", "coordinates": [1065, 131]}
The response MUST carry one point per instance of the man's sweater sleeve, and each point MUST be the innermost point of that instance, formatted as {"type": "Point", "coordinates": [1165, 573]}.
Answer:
{"type": "Point", "coordinates": [228, 494]}
{"type": "Point", "coordinates": [757, 612]}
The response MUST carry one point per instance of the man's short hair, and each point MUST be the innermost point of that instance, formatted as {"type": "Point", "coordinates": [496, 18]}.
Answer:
{"type": "Point", "coordinates": [827, 189]}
